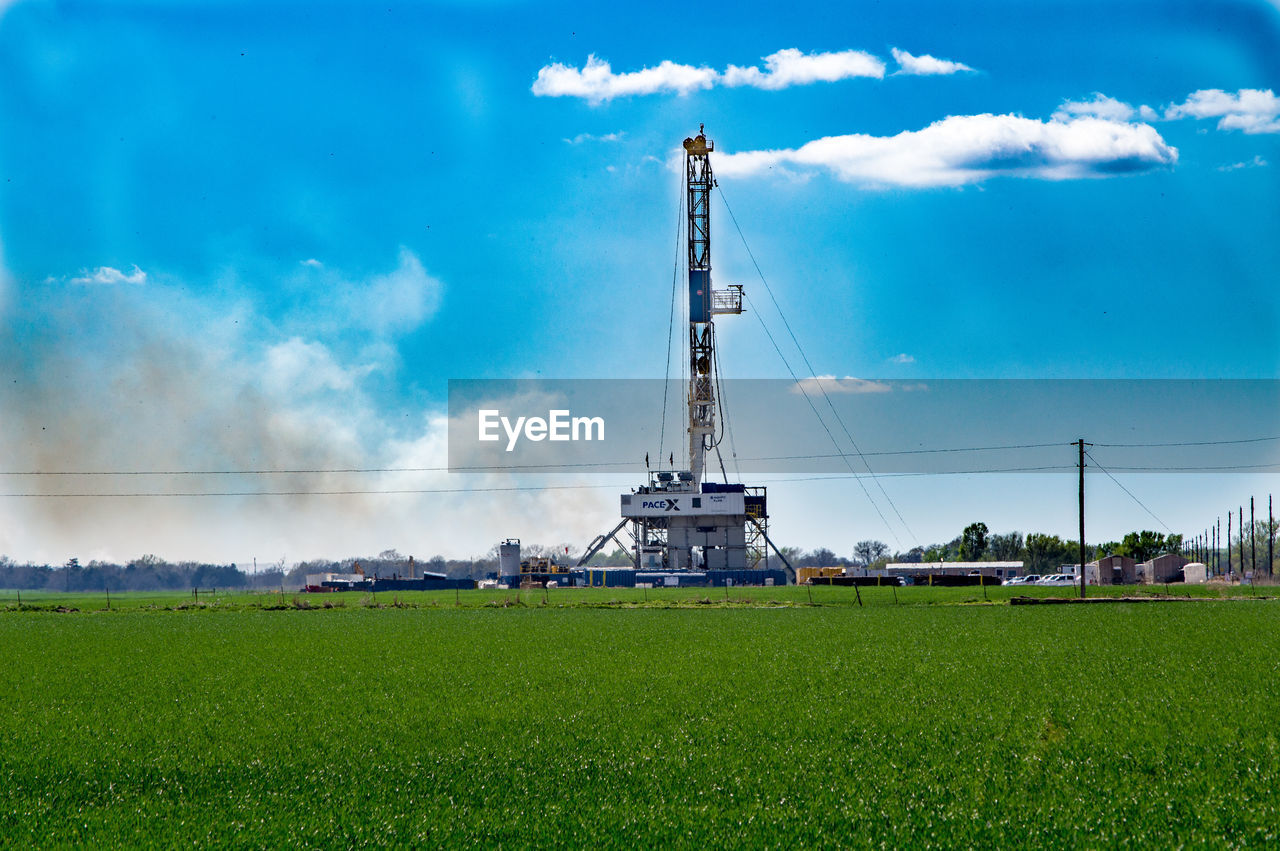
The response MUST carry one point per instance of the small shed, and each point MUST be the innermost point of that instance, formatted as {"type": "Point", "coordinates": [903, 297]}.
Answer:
{"type": "Point", "coordinates": [1161, 569]}
{"type": "Point", "coordinates": [1117, 570]}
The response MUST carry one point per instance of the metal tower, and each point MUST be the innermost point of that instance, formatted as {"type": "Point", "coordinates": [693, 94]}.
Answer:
{"type": "Point", "coordinates": [704, 302]}
{"type": "Point", "coordinates": [678, 522]}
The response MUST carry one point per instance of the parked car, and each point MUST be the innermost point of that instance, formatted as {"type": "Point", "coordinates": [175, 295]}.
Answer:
{"type": "Point", "coordinates": [1029, 579]}
{"type": "Point", "coordinates": [1016, 580]}
{"type": "Point", "coordinates": [1058, 579]}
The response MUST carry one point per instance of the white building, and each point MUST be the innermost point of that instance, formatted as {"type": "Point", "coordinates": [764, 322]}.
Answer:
{"type": "Point", "coordinates": [994, 569]}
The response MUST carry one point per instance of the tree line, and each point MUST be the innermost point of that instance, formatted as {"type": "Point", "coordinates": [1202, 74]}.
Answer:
{"type": "Point", "coordinates": [152, 573]}
{"type": "Point", "coordinates": [1039, 552]}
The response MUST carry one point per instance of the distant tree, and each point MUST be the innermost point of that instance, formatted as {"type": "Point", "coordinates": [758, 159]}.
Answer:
{"type": "Point", "coordinates": [821, 557]}
{"type": "Point", "coordinates": [934, 552]}
{"type": "Point", "coordinates": [866, 552]}
{"type": "Point", "coordinates": [949, 551]}
{"type": "Point", "coordinates": [1005, 547]}
{"type": "Point", "coordinates": [1144, 545]}
{"type": "Point", "coordinates": [618, 558]}
{"type": "Point", "coordinates": [1107, 549]}
{"type": "Point", "coordinates": [912, 556]}
{"type": "Point", "coordinates": [1046, 553]}
{"type": "Point", "coordinates": [973, 542]}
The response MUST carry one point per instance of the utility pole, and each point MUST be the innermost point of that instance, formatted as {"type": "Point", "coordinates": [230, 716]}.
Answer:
{"type": "Point", "coordinates": [1228, 542]}
{"type": "Point", "coordinates": [1253, 542]}
{"type": "Point", "coordinates": [1271, 537]}
{"type": "Point", "coordinates": [1241, 534]}
{"type": "Point", "coordinates": [1081, 444]}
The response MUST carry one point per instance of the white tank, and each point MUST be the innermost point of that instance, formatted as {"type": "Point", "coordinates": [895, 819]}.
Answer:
{"type": "Point", "coordinates": [509, 557]}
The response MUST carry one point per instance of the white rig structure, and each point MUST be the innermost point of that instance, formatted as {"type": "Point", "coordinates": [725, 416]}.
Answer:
{"type": "Point", "coordinates": [678, 520]}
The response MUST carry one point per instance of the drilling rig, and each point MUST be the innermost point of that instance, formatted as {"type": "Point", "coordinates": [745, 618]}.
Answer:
{"type": "Point", "coordinates": [680, 521]}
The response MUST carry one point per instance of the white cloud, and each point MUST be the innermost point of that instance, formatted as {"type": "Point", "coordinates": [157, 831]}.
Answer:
{"type": "Point", "coordinates": [5, 280]}
{"type": "Point", "coordinates": [790, 67]}
{"type": "Point", "coordinates": [298, 367]}
{"type": "Point", "coordinates": [926, 64]}
{"type": "Point", "coordinates": [1248, 110]}
{"type": "Point", "coordinates": [109, 275]}
{"type": "Point", "coordinates": [1256, 162]}
{"type": "Point", "coordinates": [591, 137]}
{"type": "Point", "coordinates": [596, 82]}
{"type": "Point", "coordinates": [312, 263]}
{"type": "Point", "coordinates": [831, 384]}
{"type": "Point", "coordinates": [1106, 108]}
{"type": "Point", "coordinates": [967, 149]}
{"type": "Point", "coordinates": [902, 358]}
{"type": "Point", "coordinates": [397, 301]}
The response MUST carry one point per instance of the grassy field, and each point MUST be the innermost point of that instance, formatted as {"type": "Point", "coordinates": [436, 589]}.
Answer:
{"type": "Point", "coordinates": [684, 723]}
{"type": "Point", "coordinates": [793, 595]}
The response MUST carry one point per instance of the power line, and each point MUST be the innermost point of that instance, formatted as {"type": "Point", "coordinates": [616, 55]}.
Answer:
{"type": "Point", "coordinates": [597, 464]}
{"type": "Point", "coordinates": [406, 491]}
{"type": "Point", "coordinates": [883, 453]}
{"type": "Point", "coordinates": [836, 476]}
{"type": "Point", "coordinates": [671, 323]}
{"type": "Point", "coordinates": [812, 371]}
{"type": "Point", "coordinates": [821, 421]}
{"type": "Point", "coordinates": [1187, 443]}
{"type": "Point", "coordinates": [1193, 469]}
{"type": "Point", "coordinates": [1126, 490]}
{"type": "Point", "coordinates": [320, 471]}
{"type": "Point", "coordinates": [509, 489]}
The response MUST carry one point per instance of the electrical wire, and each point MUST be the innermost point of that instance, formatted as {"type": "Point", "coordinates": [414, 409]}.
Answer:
{"type": "Point", "coordinates": [671, 321]}
{"type": "Point", "coordinates": [1192, 469]}
{"type": "Point", "coordinates": [507, 489]}
{"type": "Point", "coordinates": [1187, 443]}
{"type": "Point", "coordinates": [823, 422]}
{"type": "Point", "coordinates": [812, 371]}
{"type": "Point", "coordinates": [596, 464]}
{"type": "Point", "coordinates": [990, 470]}
{"type": "Point", "coordinates": [1126, 490]}
{"type": "Point", "coordinates": [370, 492]}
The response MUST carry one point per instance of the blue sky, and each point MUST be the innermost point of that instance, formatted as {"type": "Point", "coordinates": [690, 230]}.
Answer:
{"type": "Point", "coordinates": [247, 236]}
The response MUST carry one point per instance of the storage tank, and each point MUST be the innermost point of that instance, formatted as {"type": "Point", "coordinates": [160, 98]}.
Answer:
{"type": "Point", "coordinates": [1196, 573]}
{"type": "Point", "coordinates": [509, 557]}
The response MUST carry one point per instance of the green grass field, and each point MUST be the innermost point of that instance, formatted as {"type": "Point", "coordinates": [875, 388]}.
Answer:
{"type": "Point", "coordinates": [793, 595]}
{"type": "Point", "coordinates": [685, 723]}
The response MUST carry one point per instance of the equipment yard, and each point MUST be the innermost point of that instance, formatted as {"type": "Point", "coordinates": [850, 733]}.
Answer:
{"type": "Point", "coordinates": [904, 725]}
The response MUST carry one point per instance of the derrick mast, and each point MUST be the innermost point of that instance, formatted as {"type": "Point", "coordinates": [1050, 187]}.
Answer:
{"type": "Point", "coordinates": [678, 522]}
{"type": "Point", "coordinates": [704, 302]}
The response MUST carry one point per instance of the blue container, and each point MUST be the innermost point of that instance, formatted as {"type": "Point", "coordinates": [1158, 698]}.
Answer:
{"type": "Point", "coordinates": [719, 578]}
{"type": "Point", "coordinates": [684, 578]}
{"type": "Point", "coordinates": [699, 295]}
{"type": "Point", "coordinates": [717, 487]}
{"type": "Point", "coordinates": [610, 577]}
